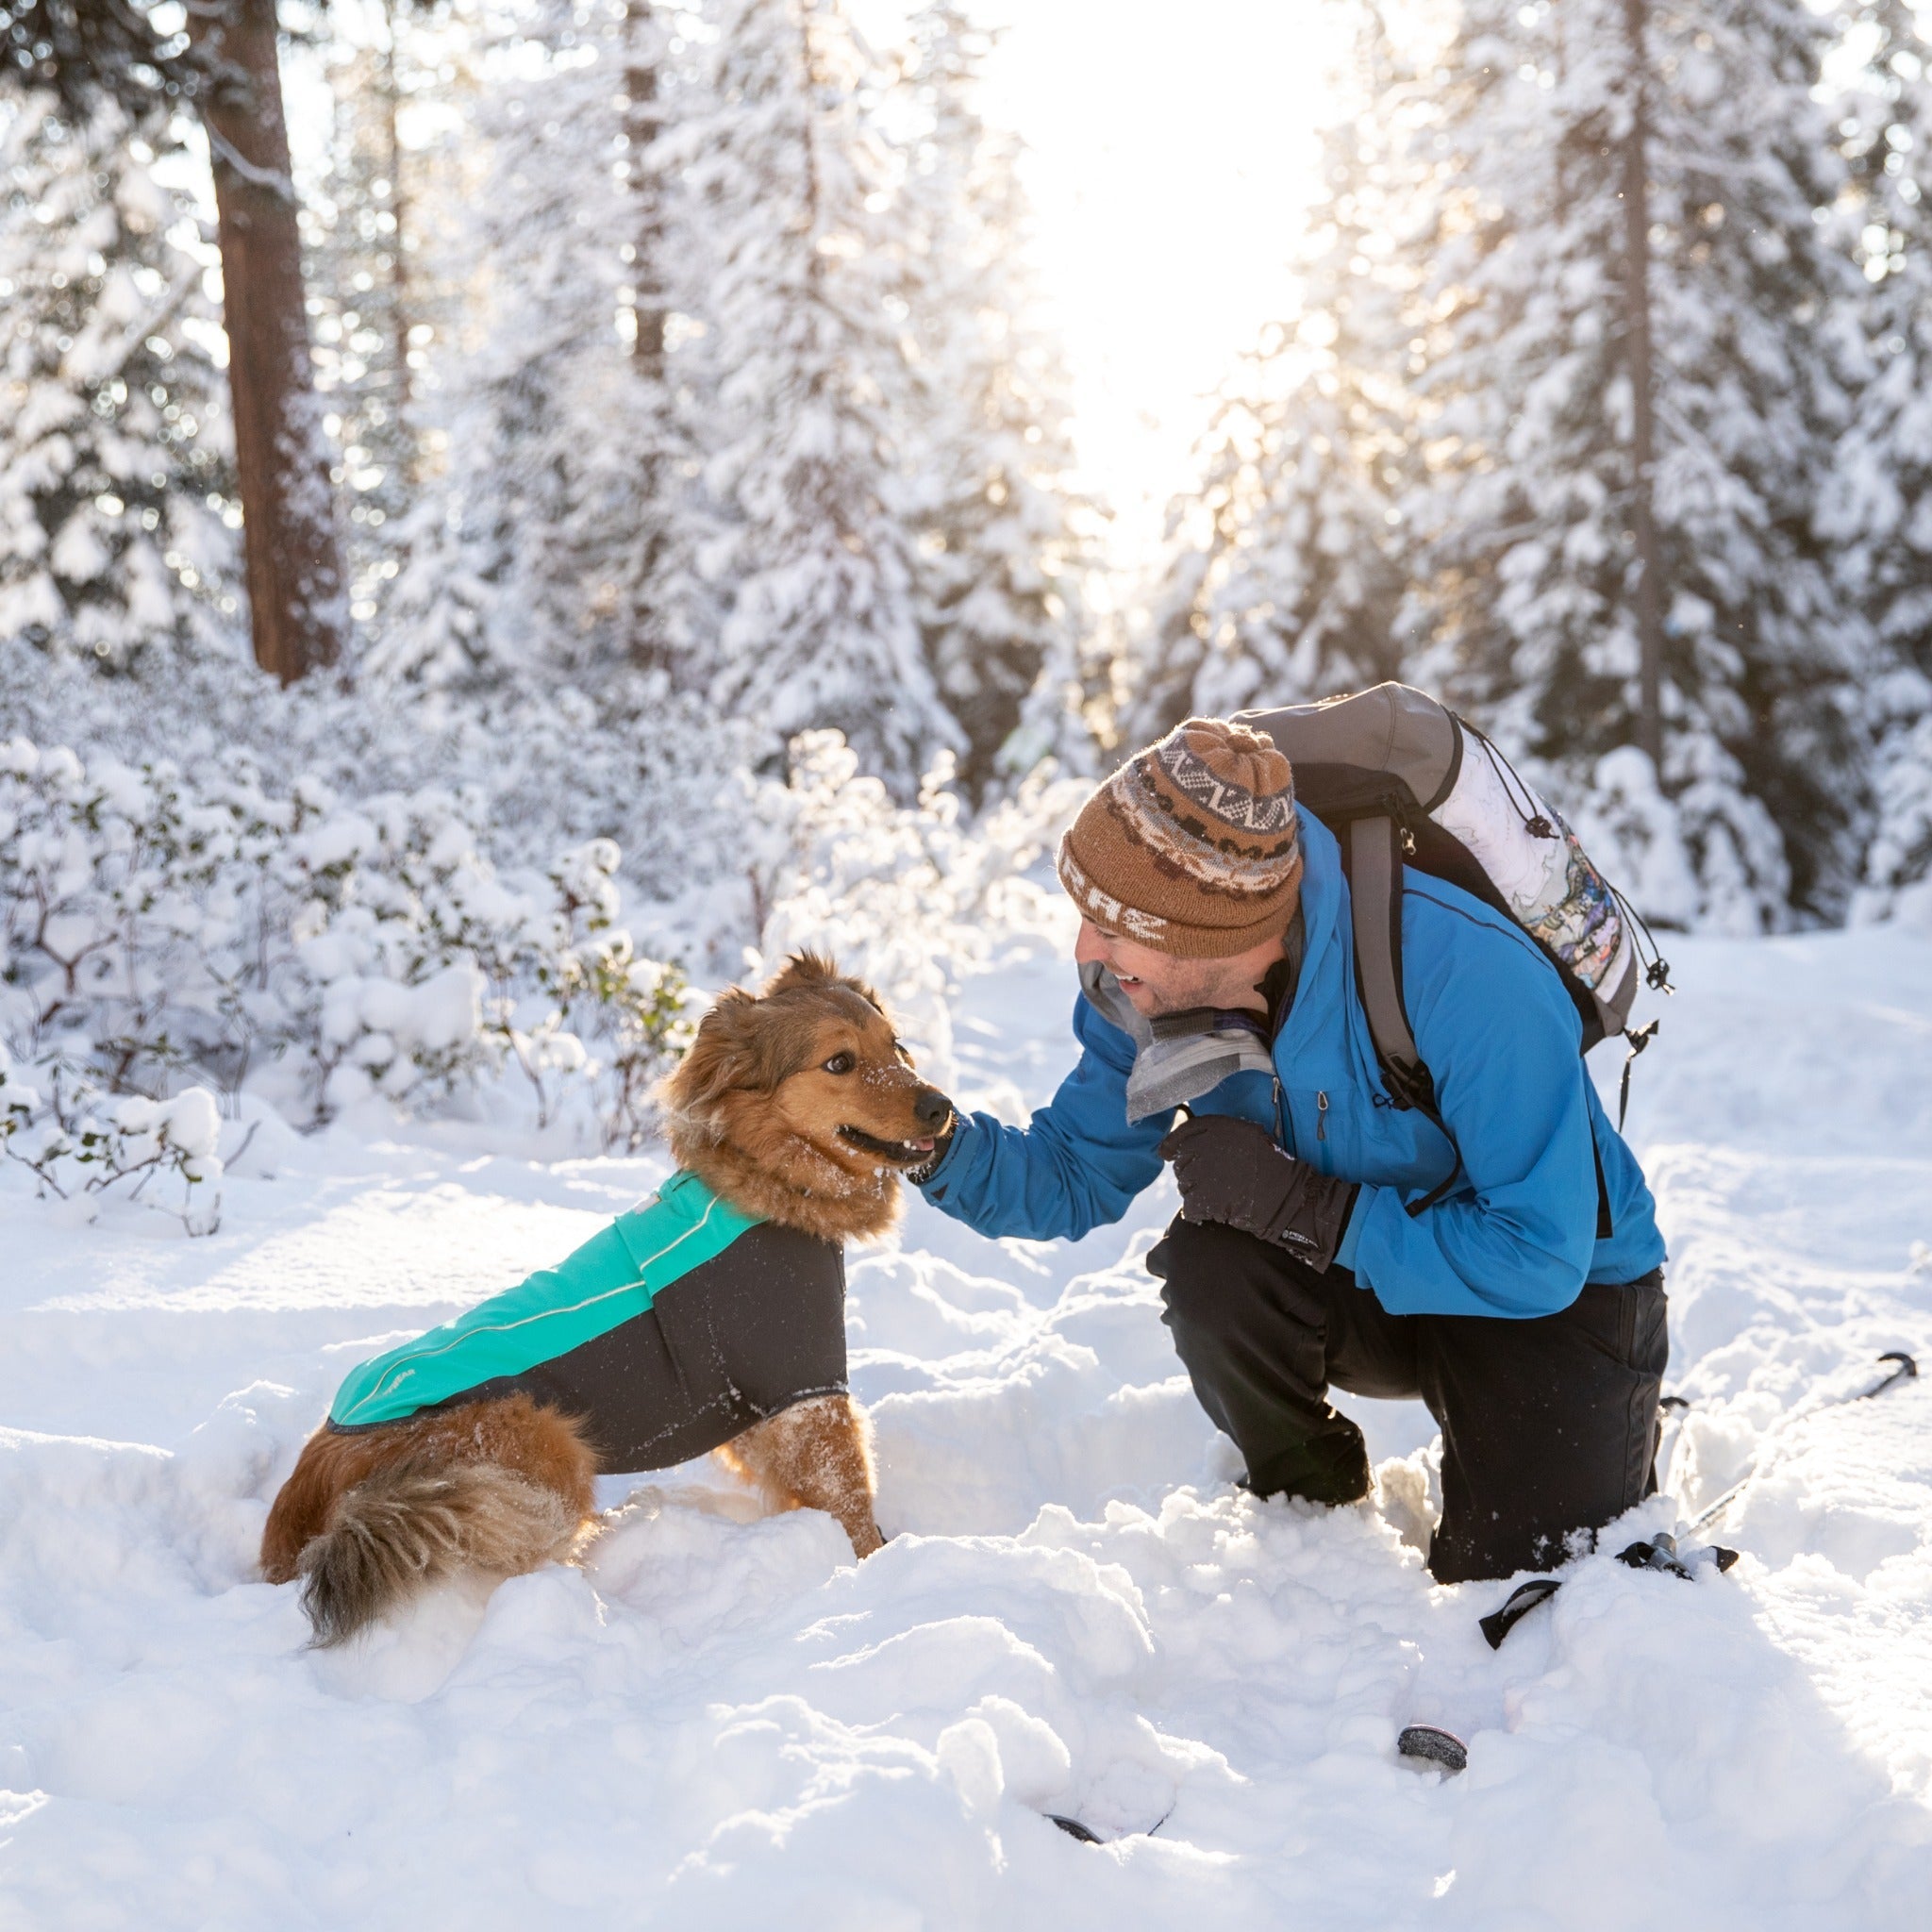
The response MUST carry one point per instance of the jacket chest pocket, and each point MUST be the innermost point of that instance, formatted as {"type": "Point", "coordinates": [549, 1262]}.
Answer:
{"type": "Point", "coordinates": [1319, 1128]}
{"type": "Point", "coordinates": [1343, 1131]}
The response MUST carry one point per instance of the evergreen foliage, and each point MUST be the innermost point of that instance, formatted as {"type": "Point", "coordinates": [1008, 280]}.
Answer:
{"type": "Point", "coordinates": [1877, 512]}
{"type": "Point", "coordinates": [114, 516]}
{"type": "Point", "coordinates": [1527, 523]}
{"type": "Point", "coordinates": [83, 51]}
{"type": "Point", "coordinates": [364, 298]}
{"type": "Point", "coordinates": [1462, 451]}
{"type": "Point", "coordinates": [1001, 539]}
{"type": "Point", "coordinates": [1288, 570]}
{"type": "Point", "coordinates": [540, 534]}
{"type": "Point", "coordinates": [701, 352]}
{"type": "Point", "coordinates": [806, 369]}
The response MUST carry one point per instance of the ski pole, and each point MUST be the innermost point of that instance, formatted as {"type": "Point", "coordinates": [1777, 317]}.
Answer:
{"type": "Point", "coordinates": [1906, 1367]}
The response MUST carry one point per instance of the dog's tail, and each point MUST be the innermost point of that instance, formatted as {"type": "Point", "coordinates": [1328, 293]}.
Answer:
{"type": "Point", "coordinates": [401, 1529]}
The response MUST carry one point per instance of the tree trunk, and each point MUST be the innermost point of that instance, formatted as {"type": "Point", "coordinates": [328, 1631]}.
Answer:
{"type": "Point", "coordinates": [399, 274]}
{"type": "Point", "coordinates": [296, 605]}
{"type": "Point", "coordinates": [648, 305]}
{"type": "Point", "coordinates": [1650, 628]}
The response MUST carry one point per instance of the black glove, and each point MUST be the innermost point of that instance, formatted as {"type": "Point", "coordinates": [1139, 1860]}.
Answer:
{"type": "Point", "coordinates": [1231, 1171]}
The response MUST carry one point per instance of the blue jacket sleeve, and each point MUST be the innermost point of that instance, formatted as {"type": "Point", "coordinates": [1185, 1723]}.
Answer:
{"type": "Point", "coordinates": [1517, 1239]}
{"type": "Point", "coordinates": [1077, 1165]}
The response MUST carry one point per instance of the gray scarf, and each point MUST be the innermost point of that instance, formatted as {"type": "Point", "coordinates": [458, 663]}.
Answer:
{"type": "Point", "coordinates": [1179, 1056]}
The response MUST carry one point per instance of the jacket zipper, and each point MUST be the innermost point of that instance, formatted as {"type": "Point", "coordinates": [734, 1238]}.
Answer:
{"type": "Point", "coordinates": [1320, 1116]}
{"type": "Point", "coordinates": [1283, 1133]}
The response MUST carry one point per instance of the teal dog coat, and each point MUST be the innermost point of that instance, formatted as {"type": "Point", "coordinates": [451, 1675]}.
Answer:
{"type": "Point", "coordinates": [676, 1328]}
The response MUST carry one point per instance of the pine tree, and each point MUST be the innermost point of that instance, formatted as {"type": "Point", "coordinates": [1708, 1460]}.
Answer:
{"type": "Point", "coordinates": [1877, 512]}
{"type": "Point", "coordinates": [558, 529]}
{"type": "Point", "coordinates": [1287, 574]}
{"type": "Point", "coordinates": [999, 543]}
{"type": "Point", "coordinates": [1545, 292]}
{"type": "Point", "coordinates": [115, 511]}
{"type": "Point", "coordinates": [361, 313]}
{"type": "Point", "coordinates": [1294, 588]}
{"type": "Point", "coordinates": [807, 366]}
{"type": "Point", "coordinates": [223, 57]}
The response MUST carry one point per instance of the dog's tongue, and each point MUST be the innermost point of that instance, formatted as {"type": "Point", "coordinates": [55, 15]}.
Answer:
{"type": "Point", "coordinates": [921, 1146]}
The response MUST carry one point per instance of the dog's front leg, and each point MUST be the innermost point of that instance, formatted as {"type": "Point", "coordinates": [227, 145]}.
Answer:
{"type": "Point", "coordinates": [816, 1455]}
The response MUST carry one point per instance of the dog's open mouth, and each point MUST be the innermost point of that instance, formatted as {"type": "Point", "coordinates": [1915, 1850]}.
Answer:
{"type": "Point", "coordinates": [905, 1153]}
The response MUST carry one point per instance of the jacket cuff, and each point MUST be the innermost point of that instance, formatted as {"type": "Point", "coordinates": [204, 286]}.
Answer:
{"type": "Point", "coordinates": [937, 1173]}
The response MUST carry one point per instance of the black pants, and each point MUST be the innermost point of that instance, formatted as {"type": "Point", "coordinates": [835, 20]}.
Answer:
{"type": "Point", "coordinates": [1549, 1426]}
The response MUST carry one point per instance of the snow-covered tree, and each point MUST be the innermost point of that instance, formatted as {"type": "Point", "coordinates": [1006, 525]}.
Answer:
{"type": "Point", "coordinates": [1546, 297]}
{"type": "Point", "coordinates": [224, 56]}
{"type": "Point", "coordinates": [114, 453]}
{"type": "Point", "coordinates": [1288, 558]}
{"type": "Point", "coordinates": [1290, 583]}
{"type": "Point", "coordinates": [367, 291]}
{"type": "Point", "coordinates": [808, 370]}
{"type": "Point", "coordinates": [557, 525]}
{"type": "Point", "coordinates": [1876, 515]}
{"type": "Point", "coordinates": [1000, 539]}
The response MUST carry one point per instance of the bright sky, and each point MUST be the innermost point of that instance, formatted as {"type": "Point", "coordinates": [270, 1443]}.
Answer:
{"type": "Point", "coordinates": [1172, 156]}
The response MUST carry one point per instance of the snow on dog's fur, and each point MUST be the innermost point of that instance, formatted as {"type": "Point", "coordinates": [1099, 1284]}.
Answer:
{"type": "Point", "coordinates": [798, 1105]}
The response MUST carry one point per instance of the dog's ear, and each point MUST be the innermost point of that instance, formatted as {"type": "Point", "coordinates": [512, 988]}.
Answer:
{"type": "Point", "coordinates": [801, 969]}
{"type": "Point", "coordinates": [814, 968]}
{"type": "Point", "coordinates": [725, 1054]}
{"type": "Point", "coordinates": [868, 995]}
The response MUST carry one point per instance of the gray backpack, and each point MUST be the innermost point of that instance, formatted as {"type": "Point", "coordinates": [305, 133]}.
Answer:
{"type": "Point", "coordinates": [1401, 780]}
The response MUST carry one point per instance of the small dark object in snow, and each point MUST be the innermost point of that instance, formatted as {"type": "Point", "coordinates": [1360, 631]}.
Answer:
{"type": "Point", "coordinates": [1907, 1369]}
{"type": "Point", "coordinates": [1074, 1828]}
{"type": "Point", "coordinates": [1432, 1748]}
{"type": "Point", "coordinates": [1087, 1836]}
{"type": "Point", "coordinates": [1523, 1600]}
{"type": "Point", "coordinates": [1661, 1552]}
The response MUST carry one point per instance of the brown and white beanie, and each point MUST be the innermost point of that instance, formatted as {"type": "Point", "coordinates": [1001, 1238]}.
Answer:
{"type": "Point", "coordinates": [1192, 847]}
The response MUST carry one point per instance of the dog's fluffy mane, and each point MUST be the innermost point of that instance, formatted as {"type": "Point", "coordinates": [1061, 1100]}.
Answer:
{"type": "Point", "coordinates": [746, 1046]}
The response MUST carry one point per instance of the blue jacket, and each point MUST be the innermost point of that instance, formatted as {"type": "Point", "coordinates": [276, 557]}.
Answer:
{"type": "Point", "coordinates": [1516, 1236]}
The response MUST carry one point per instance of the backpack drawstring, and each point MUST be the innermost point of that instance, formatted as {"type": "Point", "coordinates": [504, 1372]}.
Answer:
{"type": "Point", "coordinates": [1657, 975]}
{"type": "Point", "coordinates": [1534, 822]}
{"type": "Point", "coordinates": [1657, 968]}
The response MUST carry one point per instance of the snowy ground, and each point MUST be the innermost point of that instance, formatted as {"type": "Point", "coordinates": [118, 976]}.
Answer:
{"type": "Point", "coordinates": [723, 1722]}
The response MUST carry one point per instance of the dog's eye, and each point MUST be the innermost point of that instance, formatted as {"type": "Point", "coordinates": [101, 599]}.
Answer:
{"type": "Point", "coordinates": [841, 1063]}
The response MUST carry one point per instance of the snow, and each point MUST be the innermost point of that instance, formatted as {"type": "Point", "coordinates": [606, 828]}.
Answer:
{"type": "Point", "coordinates": [721, 1719]}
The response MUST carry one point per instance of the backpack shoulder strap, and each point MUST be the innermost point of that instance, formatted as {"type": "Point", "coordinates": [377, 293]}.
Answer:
{"type": "Point", "coordinates": [1372, 861]}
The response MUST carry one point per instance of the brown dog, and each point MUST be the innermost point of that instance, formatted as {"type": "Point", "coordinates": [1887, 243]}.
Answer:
{"type": "Point", "coordinates": [797, 1108]}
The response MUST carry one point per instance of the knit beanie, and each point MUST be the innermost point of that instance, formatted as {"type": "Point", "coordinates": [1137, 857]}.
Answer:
{"type": "Point", "coordinates": [1192, 847]}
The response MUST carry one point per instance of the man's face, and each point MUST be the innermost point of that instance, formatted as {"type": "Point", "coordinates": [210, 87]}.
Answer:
{"type": "Point", "coordinates": [1158, 983]}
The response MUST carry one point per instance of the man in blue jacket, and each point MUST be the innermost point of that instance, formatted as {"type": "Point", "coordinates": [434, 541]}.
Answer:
{"type": "Point", "coordinates": [1526, 1305]}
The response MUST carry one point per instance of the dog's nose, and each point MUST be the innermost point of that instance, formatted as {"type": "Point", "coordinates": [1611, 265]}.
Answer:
{"type": "Point", "coordinates": [932, 1109]}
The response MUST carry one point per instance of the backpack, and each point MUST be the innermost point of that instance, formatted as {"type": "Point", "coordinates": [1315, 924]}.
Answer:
{"type": "Point", "coordinates": [1401, 780]}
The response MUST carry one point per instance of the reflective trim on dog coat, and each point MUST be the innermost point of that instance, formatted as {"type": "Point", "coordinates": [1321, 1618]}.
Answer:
{"type": "Point", "coordinates": [612, 1279]}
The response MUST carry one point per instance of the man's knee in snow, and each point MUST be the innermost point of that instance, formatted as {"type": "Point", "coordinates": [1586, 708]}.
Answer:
{"type": "Point", "coordinates": [1209, 1274]}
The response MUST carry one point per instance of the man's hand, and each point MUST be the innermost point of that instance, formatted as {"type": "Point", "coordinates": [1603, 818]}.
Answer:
{"type": "Point", "coordinates": [1231, 1171]}
{"type": "Point", "coordinates": [941, 1141]}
